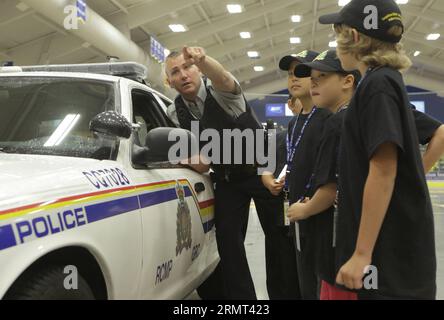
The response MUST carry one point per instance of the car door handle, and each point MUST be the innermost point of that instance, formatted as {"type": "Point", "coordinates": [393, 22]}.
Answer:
{"type": "Point", "coordinates": [199, 187]}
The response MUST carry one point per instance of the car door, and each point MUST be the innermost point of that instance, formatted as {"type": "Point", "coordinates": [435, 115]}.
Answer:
{"type": "Point", "coordinates": [170, 200]}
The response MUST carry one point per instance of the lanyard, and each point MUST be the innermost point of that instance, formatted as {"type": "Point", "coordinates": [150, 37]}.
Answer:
{"type": "Point", "coordinates": [367, 73]}
{"type": "Point", "coordinates": [292, 147]}
{"type": "Point", "coordinates": [310, 181]}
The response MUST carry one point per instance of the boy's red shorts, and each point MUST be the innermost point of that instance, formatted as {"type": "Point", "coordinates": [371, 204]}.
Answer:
{"type": "Point", "coordinates": [329, 292]}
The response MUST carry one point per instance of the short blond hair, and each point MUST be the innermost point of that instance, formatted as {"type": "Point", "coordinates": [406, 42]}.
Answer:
{"type": "Point", "coordinates": [371, 51]}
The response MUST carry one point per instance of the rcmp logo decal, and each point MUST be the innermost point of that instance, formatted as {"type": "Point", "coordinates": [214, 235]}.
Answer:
{"type": "Point", "coordinates": [183, 221]}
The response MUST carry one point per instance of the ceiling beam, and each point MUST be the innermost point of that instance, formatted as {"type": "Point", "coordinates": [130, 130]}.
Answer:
{"type": "Point", "coordinates": [120, 6]}
{"type": "Point", "coordinates": [279, 50]}
{"type": "Point", "coordinates": [203, 30]}
{"type": "Point", "coordinates": [249, 74]}
{"type": "Point", "coordinates": [286, 27]}
{"type": "Point", "coordinates": [416, 11]}
{"type": "Point", "coordinates": [4, 23]}
{"type": "Point", "coordinates": [433, 65]}
{"type": "Point", "coordinates": [415, 37]}
{"type": "Point", "coordinates": [418, 18]}
{"type": "Point", "coordinates": [315, 22]}
{"type": "Point", "coordinates": [147, 12]}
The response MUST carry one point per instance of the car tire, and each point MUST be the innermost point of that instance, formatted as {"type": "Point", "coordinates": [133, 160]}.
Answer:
{"type": "Point", "coordinates": [48, 284]}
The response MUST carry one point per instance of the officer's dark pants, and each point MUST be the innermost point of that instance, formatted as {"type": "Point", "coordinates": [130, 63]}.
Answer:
{"type": "Point", "coordinates": [232, 206]}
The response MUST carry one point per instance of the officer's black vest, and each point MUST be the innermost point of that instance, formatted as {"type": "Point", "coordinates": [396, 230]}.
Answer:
{"type": "Point", "coordinates": [215, 117]}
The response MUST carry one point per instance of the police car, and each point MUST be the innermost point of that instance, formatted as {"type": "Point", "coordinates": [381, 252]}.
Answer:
{"type": "Point", "coordinates": [90, 207]}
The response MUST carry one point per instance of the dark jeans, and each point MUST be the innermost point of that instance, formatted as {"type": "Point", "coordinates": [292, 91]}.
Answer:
{"type": "Point", "coordinates": [308, 280]}
{"type": "Point", "coordinates": [232, 206]}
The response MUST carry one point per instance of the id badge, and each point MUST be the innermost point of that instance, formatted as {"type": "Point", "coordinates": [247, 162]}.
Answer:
{"type": "Point", "coordinates": [298, 236]}
{"type": "Point", "coordinates": [335, 226]}
{"type": "Point", "coordinates": [286, 207]}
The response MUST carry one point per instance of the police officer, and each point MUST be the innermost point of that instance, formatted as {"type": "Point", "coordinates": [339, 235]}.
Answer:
{"type": "Point", "coordinates": [211, 95]}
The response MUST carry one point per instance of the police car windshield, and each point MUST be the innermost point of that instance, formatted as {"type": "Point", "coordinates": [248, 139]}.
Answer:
{"type": "Point", "coordinates": [50, 116]}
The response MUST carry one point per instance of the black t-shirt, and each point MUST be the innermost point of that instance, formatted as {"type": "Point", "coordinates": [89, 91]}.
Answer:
{"type": "Point", "coordinates": [326, 171]}
{"type": "Point", "coordinates": [305, 158]}
{"type": "Point", "coordinates": [425, 126]}
{"type": "Point", "coordinates": [404, 253]}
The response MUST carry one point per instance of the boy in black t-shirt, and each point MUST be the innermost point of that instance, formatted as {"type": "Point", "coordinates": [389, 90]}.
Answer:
{"type": "Point", "coordinates": [385, 221]}
{"type": "Point", "coordinates": [303, 138]}
{"type": "Point", "coordinates": [284, 250]}
{"type": "Point", "coordinates": [333, 88]}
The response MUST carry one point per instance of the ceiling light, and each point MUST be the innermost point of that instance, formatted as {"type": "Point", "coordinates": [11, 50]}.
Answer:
{"type": "Point", "coordinates": [234, 8]}
{"type": "Point", "coordinates": [253, 54]}
{"type": "Point", "coordinates": [295, 40]}
{"type": "Point", "coordinates": [245, 35]}
{"type": "Point", "coordinates": [433, 36]}
{"type": "Point", "coordinates": [258, 68]}
{"type": "Point", "coordinates": [417, 53]}
{"type": "Point", "coordinates": [332, 44]}
{"type": "Point", "coordinates": [178, 28]}
{"type": "Point", "coordinates": [296, 18]}
{"type": "Point", "coordinates": [343, 3]}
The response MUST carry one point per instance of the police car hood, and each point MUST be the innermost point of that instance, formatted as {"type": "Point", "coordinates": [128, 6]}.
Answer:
{"type": "Point", "coordinates": [29, 179]}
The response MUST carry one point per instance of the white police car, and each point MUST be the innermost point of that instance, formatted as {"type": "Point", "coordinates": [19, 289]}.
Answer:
{"type": "Point", "coordinates": [89, 206]}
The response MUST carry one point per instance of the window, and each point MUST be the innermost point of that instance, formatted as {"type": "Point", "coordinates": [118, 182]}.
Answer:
{"type": "Point", "coordinates": [51, 116]}
{"type": "Point", "coordinates": [146, 113]}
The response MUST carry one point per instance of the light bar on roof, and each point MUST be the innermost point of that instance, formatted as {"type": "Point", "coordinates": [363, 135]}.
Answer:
{"type": "Point", "coordinates": [130, 70]}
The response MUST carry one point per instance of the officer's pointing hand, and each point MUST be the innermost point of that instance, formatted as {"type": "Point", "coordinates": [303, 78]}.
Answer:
{"type": "Point", "coordinates": [193, 55]}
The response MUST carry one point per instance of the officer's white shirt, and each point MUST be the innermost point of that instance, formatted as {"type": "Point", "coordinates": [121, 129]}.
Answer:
{"type": "Point", "coordinates": [232, 103]}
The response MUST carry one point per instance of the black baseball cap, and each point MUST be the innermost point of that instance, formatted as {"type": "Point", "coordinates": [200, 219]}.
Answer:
{"type": "Point", "coordinates": [327, 61]}
{"type": "Point", "coordinates": [358, 14]}
{"type": "Point", "coordinates": [302, 57]}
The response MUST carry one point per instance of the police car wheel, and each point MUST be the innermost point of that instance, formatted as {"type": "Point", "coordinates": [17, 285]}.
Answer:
{"type": "Point", "coordinates": [49, 284]}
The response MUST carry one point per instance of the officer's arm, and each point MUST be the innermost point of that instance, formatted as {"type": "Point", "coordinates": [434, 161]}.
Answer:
{"type": "Point", "coordinates": [221, 79]}
{"type": "Point", "coordinates": [197, 163]}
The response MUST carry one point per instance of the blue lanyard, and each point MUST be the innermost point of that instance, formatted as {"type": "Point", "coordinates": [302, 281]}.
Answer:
{"type": "Point", "coordinates": [310, 181]}
{"type": "Point", "coordinates": [369, 70]}
{"type": "Point", "coordinates": [292, 147]}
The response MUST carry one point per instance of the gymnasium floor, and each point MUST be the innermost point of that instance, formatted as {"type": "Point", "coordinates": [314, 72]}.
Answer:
{"type": "Point", "coordinates": [255, 244]}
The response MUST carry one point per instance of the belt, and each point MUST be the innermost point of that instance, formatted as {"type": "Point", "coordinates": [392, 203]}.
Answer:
{"type": "Point", "coordinates": [234, 173]}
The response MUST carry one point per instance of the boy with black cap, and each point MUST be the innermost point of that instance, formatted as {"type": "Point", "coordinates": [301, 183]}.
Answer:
{"type": "Point", "coordinates": [288, 64]}
{"type": "Point", "coordinates": [385, 214]}
{"type": "Point", "coordinates": [332, 88]}
{"type": "Point", "coordinates": [302, 143]}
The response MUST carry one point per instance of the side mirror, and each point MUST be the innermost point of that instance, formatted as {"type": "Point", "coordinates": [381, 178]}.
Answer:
{"type": "Point", "coordinates": [158, 147]}
{"type": "Point", "coordinates": [112, 124]}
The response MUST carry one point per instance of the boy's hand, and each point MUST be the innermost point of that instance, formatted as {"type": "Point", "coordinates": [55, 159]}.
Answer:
{"type": "Point", "coordinates": [193, 55]}
{"type": "Point", "coordinates": [275, 187]}
{"type": "Point", "coordinates": [298, 211]}
{"type": "Point", "coordinates": [352, 273]}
